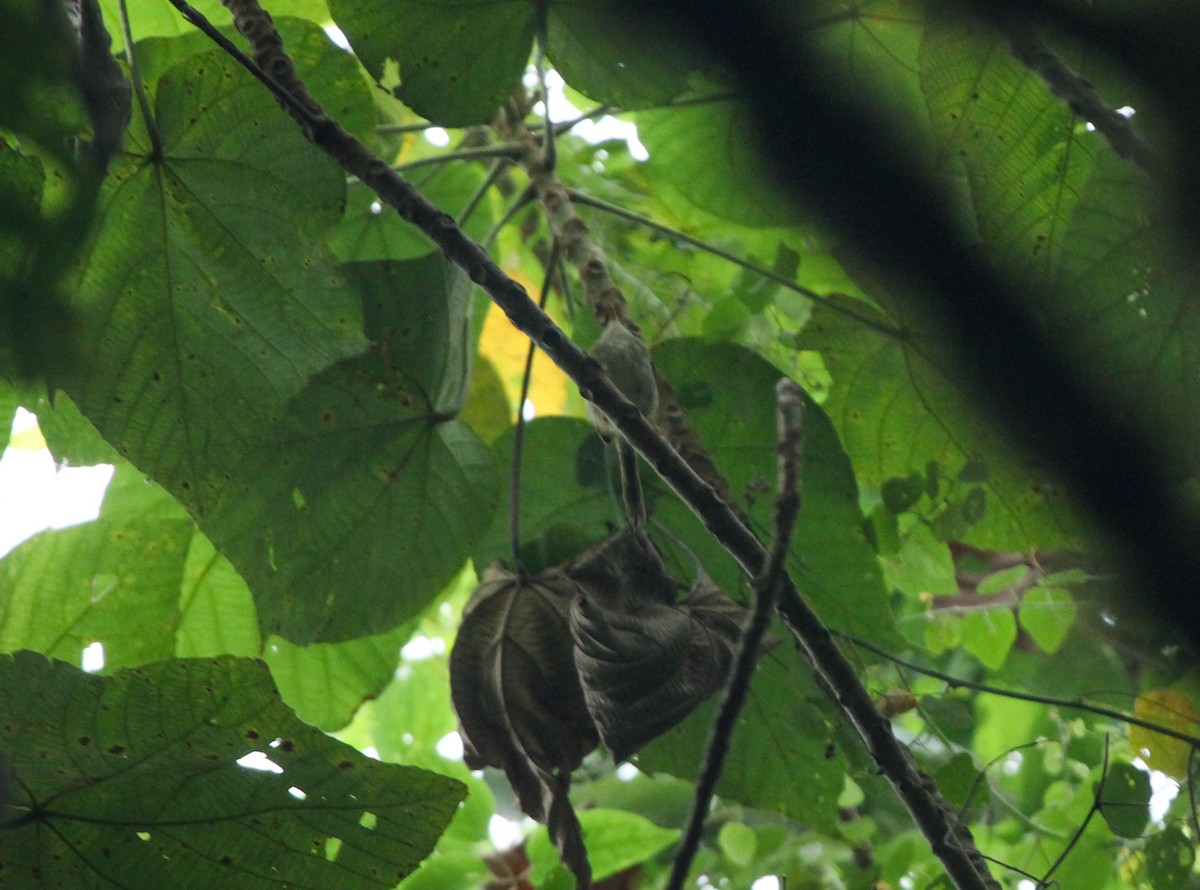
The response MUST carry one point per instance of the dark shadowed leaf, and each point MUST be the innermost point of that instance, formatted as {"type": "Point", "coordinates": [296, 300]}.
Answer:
{"type": "Point", "coordinates": [728, 394]}
{"type": "Point", "coordinates": [134, 780]}
{"type": "Point", "coordinates": [358, 511]}
{"type": "Point", "coordinates": [1125, 799]}
{"type": "Point", "coordinates": [457, 61]}
{"type": "Point", "coordinates": [206, 303]}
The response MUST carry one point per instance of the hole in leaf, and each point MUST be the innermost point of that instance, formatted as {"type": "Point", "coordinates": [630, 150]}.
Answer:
{"type": "Point", "coordinates": [93, 657]}
{"type": "Point", "coordinates": [259, 761]}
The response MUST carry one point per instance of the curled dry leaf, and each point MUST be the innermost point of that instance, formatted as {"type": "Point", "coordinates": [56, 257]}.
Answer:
{"type": "Point", "coordinates": [514, 686]}
{"type": "Point", "coordinates": [644, 660]}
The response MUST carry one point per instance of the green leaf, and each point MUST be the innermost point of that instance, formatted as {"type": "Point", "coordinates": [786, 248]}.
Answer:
{"type": "Point", "coordinates": [359, 509]}
{"type": "Point", "coordinates": [325, 683]}
{"type": "Point", "coordinates": [70, 436]}
{"type": "Point", "coordinates": [923, 564]}
{"type": "Point", "coordinates": [566, 502]}
{"type": "Point", "coordinates": [728, 395]}
{"type": "Point", "coordinates": [1001, 580]}
{"type": "Point", "coordinates": [459, 867]}
{"type": "Point", "coordinates": [371, 231]}
{"type": "Point", "coordinates": [1170, 855]}
{"type": "Point", "coordinates": [418, 314]}
{"type": "Point", "coordinates": [1047, 615]}
{"type": "Point", "coordinates": [942, 632]}
{"type": "Point", "coordinates": [134, 779]}
{"type": "Point", "coordinates": [150, 19]}
{"type": "Point", "coordinates": [705, 152]}
{"type": "Point", "coordinates": [1126, 311]}
{"type": "Point", "coordinates": [615, 841]}
{"type": "Point", "coordinates": [115, 580]}
{"type": "Point", "coordinates": [896, 407]}
{"type": "Point", "coordinates": [204, 302]}
{"type": "Point", "coordinates": [217, 615]}
{"type": "Point", "coordinates": [458, 60]}
{"type": "Point", "coordinates": [1125, 799]}
{"type": "Point", "coordinates": [331, 75]}
{"type": "Point", "coordinates": [1023, 156]}
{"type": "Point", "coordinates": [738, 842]}
{"type": "Point", "coordinates": [598, 54]}
{"type": "Point", "coordinates": [988, 634]}
{"type": "Point", "coordinates": [779, 756]}
{"type": "Point", "coordinates": [961, 783]}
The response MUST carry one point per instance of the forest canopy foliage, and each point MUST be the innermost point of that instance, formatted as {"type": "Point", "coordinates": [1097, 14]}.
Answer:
{"type": "Point", "coordinates": [283, 274]}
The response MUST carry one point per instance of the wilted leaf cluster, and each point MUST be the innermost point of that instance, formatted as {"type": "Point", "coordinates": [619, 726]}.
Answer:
{"type": "Point", "coordinates": [596, 650]}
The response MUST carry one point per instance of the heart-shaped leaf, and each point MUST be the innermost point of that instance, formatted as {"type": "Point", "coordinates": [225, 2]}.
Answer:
{"type": "Point", "coordinates": [194, 772]}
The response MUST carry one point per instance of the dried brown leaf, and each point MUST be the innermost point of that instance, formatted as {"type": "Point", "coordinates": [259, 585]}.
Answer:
{"type": "Point", "coordinates": [644, 660]}
{"type": "Point", "coordinates": [514, 686]}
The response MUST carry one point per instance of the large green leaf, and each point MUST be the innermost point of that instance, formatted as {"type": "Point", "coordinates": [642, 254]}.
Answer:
{"type": "Point", "coordinates": [1024, 154]}
{"type": "Point", "coordinates": [205, 304]}
{"type": "Point", "coordinates": [369, 231]}
{"type": "Point", "coordinates": [897, 407]}
{"type": "Point", "coordinates": [70, 436]}
{"type": "Point", "coordinates": [325, 683]}
{"type": "Point", "coordinates": [598, 54]}
{"type": "Point", "coordinates": [1126, 308]}
{"type": "Point", "coordinates": [418, 315]}
{"type": "Point", "coordinates": [134, 780]}
{"type": "Point", "coordinates": [458, 60]}
{"type": "Point", "coordinates": [703, 150]}
{"type": "Point", "coordinates": [728, 394]}
{"type": "Point", "coordinates": [332, 75]}
{"type": "Point", "coordinates": [115, 580]}
{"type": "Point", "coordinates": [358, 511]}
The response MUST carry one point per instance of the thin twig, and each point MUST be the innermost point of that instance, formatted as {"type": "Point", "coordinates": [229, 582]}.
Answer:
{"type": "Point", "coordinates": [477, 196]}
{"type": "Point", "coordinates": [790, 408]}
{"type": "Point", "coordinates": [949, 842]}
{"type": "Point", "coordinates": [1095, 808]}
{"type": "Point", "coordinates": [514, 489]}
{"type": "Point", "coordinates": [578, 197]}
{"type": "Point", "coordinates": [139, 89]}
{"type": "Point", "coordinates": [1099, 710]}
{"type": "Point", "coordinates": [482, 152]}
{"type": "Point", "coordinates": [549, 150]}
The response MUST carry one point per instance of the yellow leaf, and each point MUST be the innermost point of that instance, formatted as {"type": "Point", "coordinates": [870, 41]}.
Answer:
{"type": "Point", "coordinates": [507, 348]}
{"type": "Point", "coordinates": [1172, 709]}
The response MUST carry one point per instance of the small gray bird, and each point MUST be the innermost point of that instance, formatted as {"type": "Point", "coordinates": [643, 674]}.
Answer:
{"type": "Point", "coordinates": [626, 360]}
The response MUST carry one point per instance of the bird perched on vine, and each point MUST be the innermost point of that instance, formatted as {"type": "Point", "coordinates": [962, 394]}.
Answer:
{"type": "Point", "coordinates": [626, 360]}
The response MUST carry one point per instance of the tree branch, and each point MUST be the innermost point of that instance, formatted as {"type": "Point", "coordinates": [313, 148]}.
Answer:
{"type": "Point", "coordinates": [1074, 704]}
{"type": "Point", "coordinates": [1081, 97]}
{"type": "Point", "coordinates": [949, 840]}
